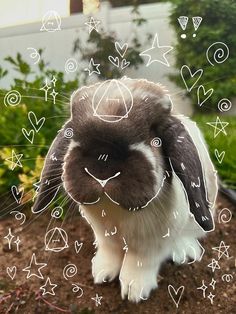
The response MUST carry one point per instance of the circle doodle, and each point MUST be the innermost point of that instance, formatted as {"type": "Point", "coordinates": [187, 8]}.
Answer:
{"type": "Point", "coordinates": [217, 54]}
{"type": "Point", "coordinates": [71, 65]}
{"type": "Point", "coordinates": [156, 142]}
{"type": "Point", "coordinates": [227, 277]}
{"type": "Point", "coordinates": [224, 216]}
{"type": "Point", "coordinates": [68, 133]}
{"type": "Point", "coordinates": [12, 98]}
{"type": "Point", "coordinates": [57, 212]}
{"type": "Point", "coordinates": [224, 105]}
{"type": "Point", "coordinates": [69, 271]}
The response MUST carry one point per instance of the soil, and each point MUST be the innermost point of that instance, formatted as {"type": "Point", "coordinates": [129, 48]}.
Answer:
{"type": "Point", "coordinates": [23, 295]}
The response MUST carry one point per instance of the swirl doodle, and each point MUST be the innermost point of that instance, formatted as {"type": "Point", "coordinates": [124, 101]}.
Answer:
{"type": "Point", "coordinates": [19, 216]}
{"type": "Point", "coordinates": [156, 142]}
{"type": "Point", "coordinates": [218, 52]}
{"type": "Point", "coordinates": [69, 271]}
{"type": "Point", "coordinates": [227, 277]}
{"type": "Point", "coordinates": [224, 216]}
{"type": "Point", "coordinates": [34, 55]}
{"type": "Point", "coordinates": [76, 289]}
{"type": "Point", "coordinates": [57, 212]}
{"type": "Point", "coordinates": [68, 133]}
{"type": "Point", "coordinates": [71, 65]}
{"type": "Point", "coordinates": [224, 105]}
{"type": "Point", "coordinates": [12, 98]}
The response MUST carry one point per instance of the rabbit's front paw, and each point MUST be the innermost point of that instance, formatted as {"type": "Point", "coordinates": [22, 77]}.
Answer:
{"type": "Point", "coordinates": [105, 265]}
{"type": "Point", "coordinates": [187, 249]}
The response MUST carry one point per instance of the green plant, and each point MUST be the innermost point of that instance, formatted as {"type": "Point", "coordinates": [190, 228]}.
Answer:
{"type": "Point", "coordinates": [14, 118]}
{"type": "Point", "coordinates": [218, 25]}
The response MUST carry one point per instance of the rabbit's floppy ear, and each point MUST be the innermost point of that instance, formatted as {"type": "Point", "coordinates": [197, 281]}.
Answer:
{"type": "Point", "coordinates": [184, 160]}
{"type": "Point", "coordinates": [51, 181]}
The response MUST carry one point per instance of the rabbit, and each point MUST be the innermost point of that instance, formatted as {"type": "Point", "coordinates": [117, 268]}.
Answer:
{"type": "Point", "coordinates": [142, 177]}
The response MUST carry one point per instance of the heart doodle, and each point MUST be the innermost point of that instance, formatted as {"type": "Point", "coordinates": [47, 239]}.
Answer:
{"type": "Point", "coordinates": [78, 246]}
{"type": "Point", "coordinates": [175, 295]}
{"type": "Point", "coordinates": [114, 61]}
{"type": "Point", "coordinates": [28, 135]}
{"type": "Point", "coordinates": [17, 194]}
{"type": "Point", "coordinates": [124, 64]}
{"type": "Point", "coordinates": [201, 93]}
{"type": "Point", "coordinates": [219, 156]}
{"type": "Point", "coordinates": [187, 74]}
{"type": "Point", "coordinates": [36, 124]}
{"type": "Point", "coordinates": [121, 49]}
{"type": "Point", "coordinates": [11, 271]}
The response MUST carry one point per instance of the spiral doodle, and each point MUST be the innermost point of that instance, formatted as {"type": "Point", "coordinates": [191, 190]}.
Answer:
{"type": "Point", "coordinates": [19, 216]}
{"type": "Point", "coordinates": [156, 142]}
{"type": "Point", "coordinates": [224, 105]}
{"type": "Point", "coordinates": [71, 65]}
{"type": "Point", "coordinates": [57, 212]}
{"type": "Point", "coordinates": [68, 133]}
{"type": "Point", "coordinates": [76, 289]}
{"type": "Point", "coordinates": [217, 54]}
{"type": "Point", "coordinates": [227, 277]}
{"type": "Point", "coordinates": [224, 216]}
{"type": "Point", "coordinates": [34, 55]}
{"type": "Point", "coordinates": [12, 98]}
{"type": "Point", "coordinates": [69, 271]}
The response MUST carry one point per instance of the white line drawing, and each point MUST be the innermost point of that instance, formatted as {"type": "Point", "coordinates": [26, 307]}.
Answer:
{"type": "Point", "coordinates": [54, 94]}
{"type": "Point", "coordinates": [17, 242]}
{"type": "Point", "coordinates": [227, 277]}
{"type": "Point", "coordinates": [182, 166]}
{"type": "Point", "coordinates": [139, 264]}
{"type": "Point", "coordinates": [218, 130]}
{"type": "Point", "coordinates": [196, 23]}
{"type": "Point", "coordinates": [48, 287]}
{"type": "Point", "coordinates": [219, 156]}
{"type": "Point", "coordinates": [68, 133]}
{"type": "Point", "coordinates": [12, 98]}
{"type": "Point", "coordinates": [164, 50]}
{"type": "Point", "coordinates": [212, 283]}
{"type": "Point", "coordinates": [93, 67]}
{"type": "Point", "coordinates": [97, 300]}
{"type": "Point", "coordinates": [111, 233]}
{"type": "Point", "coordinates": [222, 216]}
{"type": "Point", "coordinates": [84, 96]}
{"type": "Point", "coordinates": [115, 61]}
{"type": "Point", "coordinates": [51, 200]}
{"type": "Point", "coordinates": [76, 289]}
{"type": "Point", "coordinates": [92, 24]}
{"type": "Point", "coordinates": [17, 193]}
{"type": "Point", "coordinates": [125, 248]}
{"type": "Point", "coordinates": [36, 124]}
{"type": "Point", "coordinates": [196, 185]}
{"type": "Point", "coordinates": [167, 234]}
{"type": "Point", "coordinates": [180, 139]}
{"type": "Point", "coordinates": [57, 212]}
{"type": "Point", "coordinates": [78, 246]}
{"type": "Point", "coordinates": [107, 234]}
{"type": "Point", "coordinates": [203, 288]}
{"type": "Point", "coordinates": [156, 142]}
{"type": "Point", "coordinates": [45, 88]}
{"type": "Point", "coordinates": [103, 213]}
{"type": "Point", "coordinates": [176, 294]}
{"type": "Point", "coordinates": [29, 135]}
{"type": "Point", "coordinates": [14, 157]}
{"type": "Point", "coordinates": [175, 213]}
{"type": "Point", "coordinates": [186, 73]}
{"type": "Point", "coordinates": [11, 271]}
{"type": "Point", "coordinates": [9, 238]}
{"type": "Point", "coordinates": [53, 80]}
{"type": "Point", "coordinates": [51, 22]}
{"type": "Point", "coordinates": [222, 250]}
{"type": "Point", "coordinates": [71, 65]}
{"type": "Point", "coordinates": [33, 263]}
{"type": "Point", "coordinates": [183, 21]}
{"type": "Point", "coordinates": [121, 49]}
{"type": "Point", "coordinates": [103, 157]}
{"type": "Point", "coordinates": [102, 182]}
{"type": "Point", "coordinates": [201, 93]}
{"type": "Point", "coordinates": [219, 55]}
{"type": "Point", "coordinates": [19, 216]}
{"type": "Point", "coordinates": [124, 64]}
{"type": "Point", "coordinates": [124, 101]}
{"type": "Point", "coordinates": [53, 157]}
{"type": "Point", "coordinates": [140, 295]}
{"type": "Point", "coordinates": [34, 55]}
{"type": "Point", "coordinates": [214, 265]}
{"type": "Point", "coordinates": [211, 297]}
{"type": "Point", "coordinates": [56, 240]}
{"type": "Point", "coordinates": [224, 105]}
{"type": "Point", "coordinates": [69, 271]}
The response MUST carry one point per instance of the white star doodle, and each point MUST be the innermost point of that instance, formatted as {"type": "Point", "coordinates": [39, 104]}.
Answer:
{"type": "Point", "coordinates": [203, 288]}
{"type": "Point", "coordinates": [48, 287]}
{"type": "Point", "coordinates": [211, 297]}
{"type": "Point", "coordinates": [91, 67]}
{"type": "Point", "coordinates": [17, 242]}
{"type": "Point", "coordinates": [212, 283]}
{"type": "Point", "coordinates": [54, 94]}
{"type": "Point", "coordinates": [222, 250]}
{"type": "Point", "coordinates": [46, 88]}
{"type": "Point", "coordinates": [218, 130]}
{"type": "Point", "coordinates": [9, 238]}
{"type": "Point", "coordinates": [92, 24]}
{"type": "Point", "coordinates": [97, 299]}
{"type": "Point", "coordinates": [12, 159]}
{"type": "Point", "coordinates": [214, 265]}
{"type": "Point", "coordinates": [53, 80]}
{"type": "Point", "coordinates": [33, 263]}
{"type": "Point", "coordinates": [154, 49]}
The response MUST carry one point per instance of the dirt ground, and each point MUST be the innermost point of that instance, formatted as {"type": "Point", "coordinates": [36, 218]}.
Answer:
{"type": "Point", "coordinates": [23, 295]}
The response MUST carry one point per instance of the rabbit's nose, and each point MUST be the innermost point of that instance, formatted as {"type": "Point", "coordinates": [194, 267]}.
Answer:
{"type": "Point", "coordinates": [101, 182]}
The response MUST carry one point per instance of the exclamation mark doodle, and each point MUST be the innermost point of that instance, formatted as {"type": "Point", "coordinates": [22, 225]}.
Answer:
{"type": "Point", "coordinates": [196, 23]}
{"type": "Point", "coordinates": [183, 21]}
